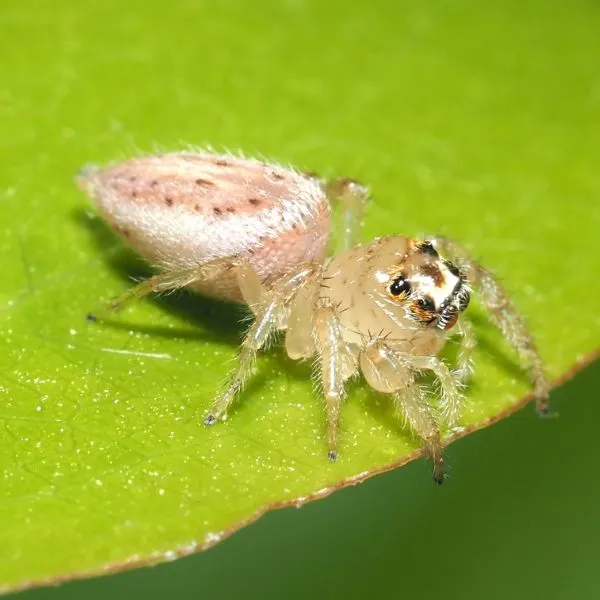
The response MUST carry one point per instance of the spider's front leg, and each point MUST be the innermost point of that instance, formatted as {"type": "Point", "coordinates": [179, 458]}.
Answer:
{"type": "Point", "coordinates": [468, 343]}
{"type": "Point", "coordinates": [392, 372]}
{"type": "Point", "coordinates": [503, 314]}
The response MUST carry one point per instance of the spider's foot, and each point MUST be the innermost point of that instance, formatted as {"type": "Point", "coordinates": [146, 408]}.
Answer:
{"type": "Point", "coordinates": [210, 420]}
{"type": "Point", "coordinates": [439, 478]}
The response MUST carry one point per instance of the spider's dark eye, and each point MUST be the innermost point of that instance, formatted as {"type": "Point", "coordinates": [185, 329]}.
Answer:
{"type": "Point", "coordinates": [426, 303]}
{"type": "Point", "coordinates": [399, 286]}
{"type": "Point", "coordinates": [427, 247]}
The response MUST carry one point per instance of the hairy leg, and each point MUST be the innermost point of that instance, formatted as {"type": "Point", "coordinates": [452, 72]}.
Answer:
{"type": "Point", "coordinates": [465, 354]}
{"type": "Point", "coordinates": [269, 307]}
{"type": "Point", "coordinates": [354, 197]}
{"type": "Point", "coordinates": [450, 395]}
{"type": "Point", "coordinates": [251, 287]}
{"type": "Point", "coordinates": [387, 370]}
{"type": "Point", "coordinates": [337, 364]}
{"type": "Point", "coordinates": [163, 282]}
{"type": "Point", "coordinates": [412, 404]}
{"type": "Point", "coordinates": [504, 315]}
{"type": "Point", "coordinates": [391, 372]}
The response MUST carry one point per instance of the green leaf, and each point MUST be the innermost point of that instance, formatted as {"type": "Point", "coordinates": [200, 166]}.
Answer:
{"type": "Point", "coordinates": [470, 119]}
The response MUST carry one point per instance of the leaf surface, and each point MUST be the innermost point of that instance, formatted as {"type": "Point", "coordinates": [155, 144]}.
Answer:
{"type": "Point", "coordinates": [471, 120]}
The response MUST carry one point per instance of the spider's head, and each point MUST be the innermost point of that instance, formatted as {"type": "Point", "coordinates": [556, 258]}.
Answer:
{"type": "Point", "coordinates": [432, 290]}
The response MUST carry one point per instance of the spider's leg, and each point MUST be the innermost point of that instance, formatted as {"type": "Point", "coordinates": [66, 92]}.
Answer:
{"type": "Point", "coordinates": [389, 371]}
{"type": "Point", "coordinates": [504, 315]}
{"type": "Point", "coordinates": [337, 364]}
{"type": "Point", "coordinates": [353, 197]}
{"type": "Point", "coordinates": [270, 308]}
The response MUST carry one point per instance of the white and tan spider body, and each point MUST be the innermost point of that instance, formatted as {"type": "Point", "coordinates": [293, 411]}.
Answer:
{"type": "Point", "coordinates": [245, 230]}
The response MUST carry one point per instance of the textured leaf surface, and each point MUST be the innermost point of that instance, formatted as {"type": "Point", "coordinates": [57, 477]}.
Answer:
{"type": "Point", "coordinates": [475, 121]}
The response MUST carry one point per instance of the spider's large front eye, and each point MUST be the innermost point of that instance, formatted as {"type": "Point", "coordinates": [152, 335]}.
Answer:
{"type": "Point", "coordinates": [399, 286]}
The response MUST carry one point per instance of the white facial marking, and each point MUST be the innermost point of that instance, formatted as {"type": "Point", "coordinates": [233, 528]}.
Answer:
{"type": "Point", "coordinates": [439, 294]}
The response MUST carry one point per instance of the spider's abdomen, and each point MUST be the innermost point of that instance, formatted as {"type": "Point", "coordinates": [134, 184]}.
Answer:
{"type": "Point", "coordinates": [182, 209]}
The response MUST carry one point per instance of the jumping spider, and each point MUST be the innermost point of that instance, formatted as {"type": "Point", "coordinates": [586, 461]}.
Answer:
{"type": "Point", "coordinates": [245, 230]}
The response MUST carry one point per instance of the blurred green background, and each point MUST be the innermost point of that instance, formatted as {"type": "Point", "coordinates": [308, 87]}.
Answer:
{"type": "Point", "coordinates": [438, 104]}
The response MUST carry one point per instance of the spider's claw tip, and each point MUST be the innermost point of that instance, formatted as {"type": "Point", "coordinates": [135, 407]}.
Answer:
{"type": "Point", "coordinates": [91, 318]}
{"type": "Point", "coordinates": [210, 420]}
{"type": "Point", "coordinates": [332, 455]}
{"type": "Point", "coordinates": [543, 411]}
{"type": "Point", "coordinates": [439, 478]}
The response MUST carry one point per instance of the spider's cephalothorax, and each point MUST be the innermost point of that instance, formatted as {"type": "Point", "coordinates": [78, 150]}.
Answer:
{"type": "Point", "coordinates": [243, 229]}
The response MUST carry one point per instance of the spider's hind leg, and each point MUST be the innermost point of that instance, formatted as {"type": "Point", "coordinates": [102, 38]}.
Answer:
{"type": "Point", "coordinates": [353, 196]}
{"type": "Point", "coordinates": [163, 282]}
